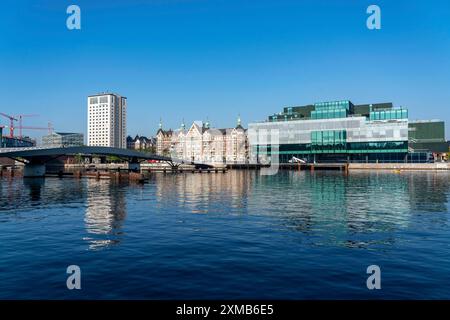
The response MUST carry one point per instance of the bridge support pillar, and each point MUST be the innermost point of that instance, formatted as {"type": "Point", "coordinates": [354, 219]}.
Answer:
{"type": "Point", "coordinates": [134, 165]}
{"type": "Point", "coordinates": [32, 170]}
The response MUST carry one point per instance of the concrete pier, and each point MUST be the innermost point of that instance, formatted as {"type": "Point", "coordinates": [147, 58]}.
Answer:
{"type": "Point", "coordinates": [134, 166]}
{"type": "Point", "coordinates": [400, 166]}
{"type": "Point", "coordinates": [32, 170]}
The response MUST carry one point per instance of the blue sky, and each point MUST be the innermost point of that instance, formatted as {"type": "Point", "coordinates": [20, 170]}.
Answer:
{"type": "Point", "coordinates": [195, 59]}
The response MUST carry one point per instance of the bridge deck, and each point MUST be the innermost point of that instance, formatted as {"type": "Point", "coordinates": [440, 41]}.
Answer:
{"type": "Point", "coordinates": [83, 150]}
{"type": "Point", "coordinates": [39, 153]}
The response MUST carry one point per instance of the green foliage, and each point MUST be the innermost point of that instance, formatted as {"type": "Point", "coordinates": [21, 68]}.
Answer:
{"type": "Point", "coordinates": [113, 159]}
{"type": "Point", "coordinates": [78, 158]}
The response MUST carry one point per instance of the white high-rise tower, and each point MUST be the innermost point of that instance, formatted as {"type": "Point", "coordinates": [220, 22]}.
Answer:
{"type": "Point", "coordinates": [107, 125]}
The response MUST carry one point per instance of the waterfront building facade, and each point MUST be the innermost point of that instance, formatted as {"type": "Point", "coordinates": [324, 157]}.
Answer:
{"type": "Point", "coordinates": [107, 120]}
{"type": "Point", "coordinates": [336, 131]}
{"type": "Point", "coordinates": [163, 141]}
{"type": "Point", "coordinates": [201, 143]}
{"type": "Point", "coordinates": [193, 143]}
{"type": "Point", "coordinates": [427, 135]}
{"type": "Point", "coordinates": [24, 142]}
{"type": "Point", "coordinates": [236, 144]}
{"type": "Point", "coordinates": [140, 143]}
{"type": "Point", "coordinates": [62, 139]}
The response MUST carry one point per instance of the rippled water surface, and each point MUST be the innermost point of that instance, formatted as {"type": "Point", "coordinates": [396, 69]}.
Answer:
{"type": "Point", "coordinates": [295, 235]}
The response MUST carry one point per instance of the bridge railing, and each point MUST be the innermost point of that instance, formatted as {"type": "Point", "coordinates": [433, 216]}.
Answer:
{"type": "Point", "coordinates": [3, 150]}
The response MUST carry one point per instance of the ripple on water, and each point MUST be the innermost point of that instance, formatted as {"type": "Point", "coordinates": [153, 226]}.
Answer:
{"type": "Point", "coordinates": [236, 235]}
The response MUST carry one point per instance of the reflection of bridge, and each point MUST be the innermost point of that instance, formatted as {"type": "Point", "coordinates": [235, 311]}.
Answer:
{"type": "Point", "coordinates": [35, 158]}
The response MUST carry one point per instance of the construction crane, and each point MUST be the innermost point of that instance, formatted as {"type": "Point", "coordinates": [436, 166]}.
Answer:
{"type": "Point", "coordinates": [20, 117]}
{"type": "Point", "coordinates": [11, 123]}
{"type": "Point", "coordinates": [21, 127]}
{"type": "Point", "coordinates": [49, 128]}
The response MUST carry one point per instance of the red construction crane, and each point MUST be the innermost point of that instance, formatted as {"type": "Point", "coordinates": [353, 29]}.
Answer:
{"type": "Point", "coordinates": [49, 128]}
{"type": "Point", "coordinates": [21, 116]}
{"type": "Point", "coordinates": [11, 123]}
{"type": "Point", "coordinates": [21, 127]}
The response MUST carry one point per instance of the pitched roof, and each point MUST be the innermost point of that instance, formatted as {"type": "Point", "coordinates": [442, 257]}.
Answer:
{"type": "Point", "coordinates": [140, 138]}
{"type": "Point", "coordinates": [165, 132]}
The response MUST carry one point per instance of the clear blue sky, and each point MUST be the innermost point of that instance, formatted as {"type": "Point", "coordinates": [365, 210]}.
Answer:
{"type": "Point", "coordinates": [194, 59]}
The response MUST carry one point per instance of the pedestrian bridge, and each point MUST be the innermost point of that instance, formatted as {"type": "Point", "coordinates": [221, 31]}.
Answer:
{"type": "Point", "coordinates": [35, 158]}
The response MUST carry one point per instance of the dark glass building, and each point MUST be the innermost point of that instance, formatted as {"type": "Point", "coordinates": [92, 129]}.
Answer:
{"type": "Point", "coordinates": [428, 135]}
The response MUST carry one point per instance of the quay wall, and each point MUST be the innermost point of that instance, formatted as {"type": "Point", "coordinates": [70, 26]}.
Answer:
{"type": "Point", "coordinates": [399, 166]}
{"type": "Point", "coordinates": [158, 167]}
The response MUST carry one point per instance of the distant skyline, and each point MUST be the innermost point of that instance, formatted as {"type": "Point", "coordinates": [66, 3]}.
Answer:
{"type": "Point", "coordinates": [216, 59]}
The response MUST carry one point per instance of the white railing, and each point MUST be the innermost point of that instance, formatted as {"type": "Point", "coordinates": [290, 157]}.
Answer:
{"type": "Point", "coordinates": [2, 150]}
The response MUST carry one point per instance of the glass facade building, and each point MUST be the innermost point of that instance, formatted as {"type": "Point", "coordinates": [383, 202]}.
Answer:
{"type": "Point", "coordinates": [427, 135]}
{"type": "Point", "coordinates": [336, 131]}
{"type": "Point", "coordinates": [62, 139]}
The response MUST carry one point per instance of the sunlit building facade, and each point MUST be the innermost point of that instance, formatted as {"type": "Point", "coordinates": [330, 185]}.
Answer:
{"type": "Point", "coordinates": [202, 143]}
{"type": "Point", "coordinates": [163, 141]}
{"type": "Point", "coordinates": [62, 139]}
{"type": "Point", "coordinates": [107, 124]}
{"type": "Point", "coordinates": [335, 131]}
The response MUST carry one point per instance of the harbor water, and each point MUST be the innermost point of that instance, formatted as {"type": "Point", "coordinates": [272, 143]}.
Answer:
{"type": "Point", "coordinates": [233, 235]}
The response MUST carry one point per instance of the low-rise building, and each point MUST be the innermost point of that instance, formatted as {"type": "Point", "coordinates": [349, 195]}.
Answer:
{"type": "Point", "coordinates": [62, 139]}
{"type": "Point", "coordinates": [141, 143]}
{"type": "Point", "coordinates": [202, 143]}
{"type": "Point", "coordinates": [15, 142]}
{"type": "Point", "coordinates": [237, 144]}
{"type": "Point", "coordinates": [163, 141]}
{"type": "Point", "coordinates": [428, 136]}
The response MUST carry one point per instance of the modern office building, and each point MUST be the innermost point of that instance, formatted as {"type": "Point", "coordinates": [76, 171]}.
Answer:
{"type": "Point", "coordinates": [427, 135]}
{"type": "Point", "coordinates": [15, 142]}
{"type": "Point", "coordinates": [62, 139]}
{"type": "Point", "coordinates": [24, 142]}
{"type": "Point", "coordinates": [107, 120]}
{"type": "Point", "coordinates": [341, 131]}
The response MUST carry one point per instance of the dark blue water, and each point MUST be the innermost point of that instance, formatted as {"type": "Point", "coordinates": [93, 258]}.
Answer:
{"type": "Point", "coordinates": [295, 235]}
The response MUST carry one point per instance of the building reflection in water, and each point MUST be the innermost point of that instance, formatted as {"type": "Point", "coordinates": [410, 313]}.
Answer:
{"type": "Point", "coordinates": [348, 208]}
{"type": "Point", "coordinates": [34, 186]}
{"type": "Point", "coordinates": [353, 210]}
{"type": "Point", "coordinates": [105, 213]}
{"type": "Point", "coordinates": [358, 210]}
{"type": "Point", "coordinates": [430, 192]}
{"type": "Point", "coordinates": [205, 193]}
{"type": "Point", "coordinates": [24, 193]}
